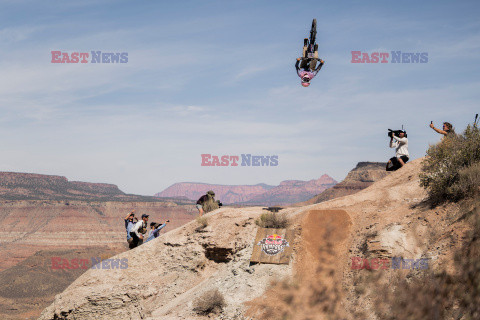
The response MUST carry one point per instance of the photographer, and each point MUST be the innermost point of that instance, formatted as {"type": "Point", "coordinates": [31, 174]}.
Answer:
{"type": "Point", "coordinates": [401, 151]}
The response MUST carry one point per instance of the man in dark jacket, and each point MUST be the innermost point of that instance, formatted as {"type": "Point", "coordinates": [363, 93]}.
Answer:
{"type": "Point", "coordinates": [207, 203]}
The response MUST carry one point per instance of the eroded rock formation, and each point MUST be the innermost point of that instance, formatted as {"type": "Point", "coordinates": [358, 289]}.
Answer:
{"type": "Point", "coordinates": [359, 178]}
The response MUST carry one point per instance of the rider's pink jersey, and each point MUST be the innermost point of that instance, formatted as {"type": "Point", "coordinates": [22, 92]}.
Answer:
{"type": "Point", "coordinates": [303, 73]}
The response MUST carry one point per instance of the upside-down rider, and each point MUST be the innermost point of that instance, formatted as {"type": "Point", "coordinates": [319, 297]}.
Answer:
{"type": "Point", "coordinates": [307, 71]}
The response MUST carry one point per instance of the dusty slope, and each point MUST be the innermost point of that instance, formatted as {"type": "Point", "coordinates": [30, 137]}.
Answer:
{"type": "Point", "coordinates": [30, 286]}
{"type": "Point", "coordinates": [34, 226]}
{"type": "Point", "coordinates": [389, 219]}
{"type": "Point", "coordinates": [163, 277]}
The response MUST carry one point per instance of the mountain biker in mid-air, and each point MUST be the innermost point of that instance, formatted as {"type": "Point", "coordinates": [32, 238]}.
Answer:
{"type": "Point", "coordinates": [305, 65]}
{"type": "Point", "coordinates": [307, 70]}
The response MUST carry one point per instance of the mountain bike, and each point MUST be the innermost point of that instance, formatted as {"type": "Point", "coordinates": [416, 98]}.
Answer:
{"type": "Point", "coordinates": [309, 55]}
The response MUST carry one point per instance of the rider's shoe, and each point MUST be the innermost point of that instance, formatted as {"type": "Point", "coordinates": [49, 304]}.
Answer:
{"type": "Point", "coordinates": [305, 42]}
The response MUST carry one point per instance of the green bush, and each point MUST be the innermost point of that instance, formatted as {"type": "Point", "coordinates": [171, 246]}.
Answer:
{"type": "Point", "coordinates": [451, 169]}
{"type": "Point", "coordinates": [272, 220]}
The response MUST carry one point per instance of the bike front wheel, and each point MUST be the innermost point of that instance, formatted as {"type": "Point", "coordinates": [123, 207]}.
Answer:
{"type": "Point", "coordinates": [313, 32]}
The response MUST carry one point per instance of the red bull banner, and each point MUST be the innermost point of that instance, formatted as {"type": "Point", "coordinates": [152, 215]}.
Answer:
{"type": "Point", "coordinates": [272, 246]}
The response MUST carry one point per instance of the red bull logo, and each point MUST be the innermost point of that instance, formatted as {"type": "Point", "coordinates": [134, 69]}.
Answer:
{"type": "Point", "coordinates": [273, 244]}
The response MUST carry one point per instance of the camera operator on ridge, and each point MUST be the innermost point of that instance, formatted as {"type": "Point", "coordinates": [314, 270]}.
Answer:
{"type": "Point", "coordinates": [401, 150]}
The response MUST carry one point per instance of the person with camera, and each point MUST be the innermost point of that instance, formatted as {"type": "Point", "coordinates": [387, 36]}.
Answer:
{"type": "Point", "coordinates": [155, 230]}
{"type": "Point", "coordinates": [129, 223]}
{"type": "Point", "coordinates": [137, 232]}
{"type": "Point", "coordinates": [401, 150]}
{"type": "Point", "coordinates": [447, 128]}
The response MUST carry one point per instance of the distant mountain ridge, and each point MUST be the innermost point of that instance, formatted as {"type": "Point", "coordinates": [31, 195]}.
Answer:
{"type": "Point", "coordinates": [226, 193]}
{"type": "Point", "coordinates": [33, 186]}
{"type": "Point", "coordinates": [288, 191]}
{"type": "Point", "coordinates": [293, 191]}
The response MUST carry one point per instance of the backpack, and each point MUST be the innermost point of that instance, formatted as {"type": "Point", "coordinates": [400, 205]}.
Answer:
{"type": "Point", "coordinates": [210, 204]}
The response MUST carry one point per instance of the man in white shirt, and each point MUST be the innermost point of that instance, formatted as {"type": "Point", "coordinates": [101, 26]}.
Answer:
{"type": "Point", "coordinates": [138, 230]}
{"type": "Point", "coordinates": [401, 151]}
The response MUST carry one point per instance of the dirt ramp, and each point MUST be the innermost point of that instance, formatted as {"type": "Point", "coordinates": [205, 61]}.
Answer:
{"type": "Point", "coordinates": [316, 289]}
{"type": "Point", "coordinates": [323, 233]}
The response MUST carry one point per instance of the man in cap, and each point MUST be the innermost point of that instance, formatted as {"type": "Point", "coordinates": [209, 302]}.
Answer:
{"type": "Point", "coordinates": [138, 230]}
{"type": "Point", "coordinates": [129, 223]}
{"type": "Point", "coordinates": [155, 230]}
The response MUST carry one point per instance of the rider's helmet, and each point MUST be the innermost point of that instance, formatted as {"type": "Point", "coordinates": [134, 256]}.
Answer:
{"type": "Point", "coordinates": [306, 80]}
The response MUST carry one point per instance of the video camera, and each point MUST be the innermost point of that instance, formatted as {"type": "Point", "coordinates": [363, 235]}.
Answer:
{"type": "Point", "coordinates": [395, 133]}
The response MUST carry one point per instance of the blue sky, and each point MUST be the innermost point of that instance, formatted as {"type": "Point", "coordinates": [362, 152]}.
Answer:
{"type": "Point", "coordinates": [218, 77]}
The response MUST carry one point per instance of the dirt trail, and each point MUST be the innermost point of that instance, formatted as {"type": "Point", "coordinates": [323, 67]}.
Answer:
{"type": "Point", "coordinates": [321, 229]}
{"type": "Point", "coordinates": [322, 247]}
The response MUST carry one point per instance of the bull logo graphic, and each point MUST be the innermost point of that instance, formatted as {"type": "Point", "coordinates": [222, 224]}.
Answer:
{"type": "Point", "coordinates": [273, 244]}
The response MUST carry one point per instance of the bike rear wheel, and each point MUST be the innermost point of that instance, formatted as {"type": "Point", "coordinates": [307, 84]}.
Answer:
{"type": "Point", "coordinates": [313, 32]}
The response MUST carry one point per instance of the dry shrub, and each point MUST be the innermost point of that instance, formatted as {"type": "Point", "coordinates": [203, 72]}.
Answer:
{"type": "Point", "coordinates": [211, 301]}
{"type": "Point", "coordinates": [469, 180]}
{"type": "Point", "coordinates": [202, 222]}
{"type": "Point", "coordinates": [466, 286]}
{"type": "Point", "coordinates": [414, 297]}
{"type": "Point", "coordinates": [272, 220]}
{"type": "Point", "coordinates": [450, 171]}
{"type": "Point", "coordinates": [440, 295]}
